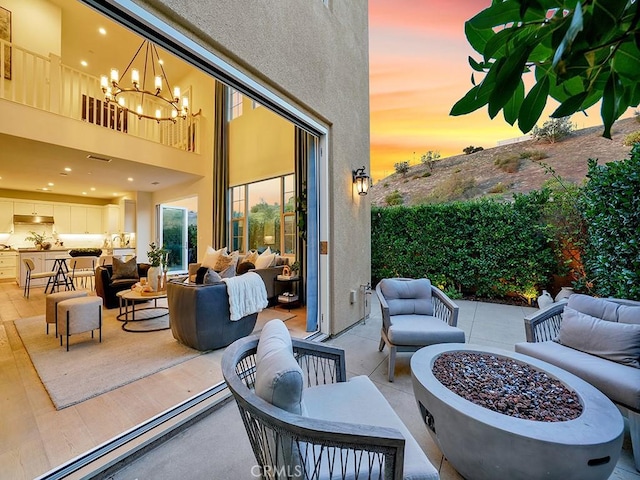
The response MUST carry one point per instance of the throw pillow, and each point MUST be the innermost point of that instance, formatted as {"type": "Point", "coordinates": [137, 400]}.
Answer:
{"type": "Point", "coordinates": [244, 267]}
{"type": "Point", "coordinates": [211, 277]}
{"type": "Point", "coordinates": [228, 272]}
{"type": "Point", "coordinates": [225, 261]}
{"type": "Point", "coordinates": [251, 257]}
{"type": "Point", "coordinates": [619, 342]}
{"type": "Point", "coordinates": [122, 270]}
{"type": "Point", "coordinates": [279, 378]}
{"type": "Point", "coordinates": [202, 271]}
{"type": "Point", "coordinates": [211, 257]}
{"type": "Point", "coordinates": [265, 261]}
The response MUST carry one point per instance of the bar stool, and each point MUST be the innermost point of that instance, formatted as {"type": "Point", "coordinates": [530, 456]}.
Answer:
{"type": "Point", "coordinates": [30, 276]}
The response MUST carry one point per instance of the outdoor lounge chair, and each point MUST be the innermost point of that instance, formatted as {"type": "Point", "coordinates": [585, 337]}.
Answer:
{"type": "Point", "coordinates": [415, 314]}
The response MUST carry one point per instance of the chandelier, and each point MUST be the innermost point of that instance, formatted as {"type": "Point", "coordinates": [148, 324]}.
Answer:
{"type": "Point", "coordinates": [132, 98]}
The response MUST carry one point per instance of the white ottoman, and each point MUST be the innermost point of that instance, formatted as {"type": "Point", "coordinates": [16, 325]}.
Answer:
{"type": "Point", "coordinates": [52, 300]}
{"type": "Point", "coordinates": [77, 315]}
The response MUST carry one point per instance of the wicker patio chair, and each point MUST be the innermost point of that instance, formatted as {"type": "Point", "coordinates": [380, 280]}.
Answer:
{"type": "Point", "coordinates": [287, 445]}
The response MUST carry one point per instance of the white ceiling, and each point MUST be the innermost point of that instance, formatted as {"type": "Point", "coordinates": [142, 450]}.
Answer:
{"type": "Point", "coordinates": [31, 166]}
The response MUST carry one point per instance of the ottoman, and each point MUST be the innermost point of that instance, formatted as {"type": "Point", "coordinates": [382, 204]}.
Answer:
{"type": "Point", "coordinates": [52, 300]}
{"type": "Point", "coordinates": [77, 315]}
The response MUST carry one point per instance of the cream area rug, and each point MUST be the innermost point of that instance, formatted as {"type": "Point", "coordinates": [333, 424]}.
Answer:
{"type": "Point", "coordinates": [91, 368]}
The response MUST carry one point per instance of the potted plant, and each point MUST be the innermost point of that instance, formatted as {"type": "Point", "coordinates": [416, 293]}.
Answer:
{"type": "Point", "coordinates": [295, 268]}
{"type": "Point", "coordinates": [38, 240]}
{"type": "Point", "coordinates": [158, 257]}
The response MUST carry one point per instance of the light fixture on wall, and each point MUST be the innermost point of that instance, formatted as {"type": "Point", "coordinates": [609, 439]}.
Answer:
{"type": "Point", "coordinates": [132, 99]}
{"type": "Point", "coordinates": [361, 180]}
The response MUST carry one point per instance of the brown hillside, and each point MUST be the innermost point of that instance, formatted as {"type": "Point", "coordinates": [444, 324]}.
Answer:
{"type": "Point", "coordinates": [482, 177]}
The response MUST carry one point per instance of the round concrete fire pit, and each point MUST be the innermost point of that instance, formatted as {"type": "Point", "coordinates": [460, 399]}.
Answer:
{"type": "Point", "coordinates": [484, 444]}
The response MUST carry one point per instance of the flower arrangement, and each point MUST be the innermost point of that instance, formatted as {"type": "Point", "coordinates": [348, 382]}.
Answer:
{"type": "Point", "coordinates": [157, 255]}
{"type": "Point", "coordinates": [38, 239]}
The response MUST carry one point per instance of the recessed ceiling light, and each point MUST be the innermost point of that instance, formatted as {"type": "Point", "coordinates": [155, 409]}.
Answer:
{"type": "Point", "coordinates": [67, 169]}
{"type": "Point", "coordinates": [44, 189]}
{"type": "Point", "coordinates": [130, 179]}
{"type": "Point", "coordinates": [102, 31]}
{"type": "Point", "coordinates": [83, 63]}
{"type": "Point", "coordinates": [84, 193]}
{"type": "Point", "coordinates": [50, 184]}
{"type": "Point", "coordinates": [115, 194]}
{"type": "Point", "coordinates": [160, 61]}
{"type": "Point", "coordinates": [93, 189]}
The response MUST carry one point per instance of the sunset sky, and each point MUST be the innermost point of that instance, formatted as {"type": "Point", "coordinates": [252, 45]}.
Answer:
{"type": "Point", "coordinates": [418, 70]}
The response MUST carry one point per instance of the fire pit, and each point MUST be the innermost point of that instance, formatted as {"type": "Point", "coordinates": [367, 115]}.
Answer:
{"type": "Point", "coordinates": [521, 418]}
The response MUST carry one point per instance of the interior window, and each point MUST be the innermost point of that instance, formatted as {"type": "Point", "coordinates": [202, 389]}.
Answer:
{"type": "Point", "coordinates": [264, 215]}
{"type": "Point", "coordinates": [235, 104]}
{"type": "Point", "coordinates": [238, 206]}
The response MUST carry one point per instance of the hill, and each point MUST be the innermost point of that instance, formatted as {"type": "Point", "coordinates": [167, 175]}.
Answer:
{"type": "Point", "coordinates": [506, 169]}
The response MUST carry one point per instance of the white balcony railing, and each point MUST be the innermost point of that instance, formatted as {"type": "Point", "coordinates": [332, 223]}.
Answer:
{"type": "Point", "coordinates": [46, 84]}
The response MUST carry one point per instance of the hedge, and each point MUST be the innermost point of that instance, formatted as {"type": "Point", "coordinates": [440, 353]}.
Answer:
{"type": "Point", "coordinates": [484, 247]}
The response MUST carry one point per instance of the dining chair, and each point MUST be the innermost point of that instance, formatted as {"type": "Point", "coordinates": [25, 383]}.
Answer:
{"type": "Point", "coordinates": [81, 269]}
{"type": "Point", "coordinates": [28, 263]}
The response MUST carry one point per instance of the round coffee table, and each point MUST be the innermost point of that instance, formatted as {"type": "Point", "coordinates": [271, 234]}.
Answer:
{"type": "Point", "coordinates": [127, 314]}
{"type": "Point", "coordinates": [484, 444]}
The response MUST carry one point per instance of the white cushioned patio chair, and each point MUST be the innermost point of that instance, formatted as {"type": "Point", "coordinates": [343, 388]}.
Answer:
{"type": "Point", "coordinates": [415, 314]}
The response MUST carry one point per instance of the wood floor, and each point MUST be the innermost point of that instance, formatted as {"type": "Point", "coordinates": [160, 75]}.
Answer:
{"type": "Point", "coordinates": [35, 437]}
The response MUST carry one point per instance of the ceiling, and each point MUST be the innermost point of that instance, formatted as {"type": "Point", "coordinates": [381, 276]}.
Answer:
{"type": "Point", "coordinates": [31, 165]}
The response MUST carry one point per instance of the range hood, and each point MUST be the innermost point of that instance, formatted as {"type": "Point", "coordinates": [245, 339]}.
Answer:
{"type": "Point", "coordinates": [32, 220]}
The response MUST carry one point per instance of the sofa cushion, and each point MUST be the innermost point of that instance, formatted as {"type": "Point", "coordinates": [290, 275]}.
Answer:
{"type": "Point", "coordinates": [596, 307]}
{"type": "Point", "coordinates": [422, 330]}
{"type": "Point", "coordinates": [279, 378]}
{"type": "Point", "coordinates": [265, 261]}
{"type": "Point", "coordinates": [629, 314]}
{"type": "Point", "coordinates": [124, 270]}
{"type": "Point", "coordinates": [406, 297]}
{"type": "Point", "coordinates": [359, 401]}
{"type": "Point", "coordinates": [211, 257]}
{"type": "Point", "coordinates": [619, 382]}
{"type": "Point", "coordinates": [614, 341]}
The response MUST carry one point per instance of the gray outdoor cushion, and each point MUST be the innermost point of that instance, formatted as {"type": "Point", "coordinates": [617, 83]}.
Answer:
{"type": "Point", "coordinates": [279, 378]}
{"type": "Point", "coordinates": [619, 342]}
{"type": "Point", "coordinates": [596, 307]}
{"type": "Point", "coordinates": [359, 401]}
{"type": "Point", "coordinates": [422, 330]}
{"type": "Point", "coordinates": [406, 297]}
{"type": "Point", "coordinates": [629, 314]}
{"type": "Point", "coordinates": [620, 383]}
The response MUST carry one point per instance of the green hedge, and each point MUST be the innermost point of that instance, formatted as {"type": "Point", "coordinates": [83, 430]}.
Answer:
{"type": "Point", "coordinates": [611, 208]}
{"type": "Point", "coordinates": [484, 247]}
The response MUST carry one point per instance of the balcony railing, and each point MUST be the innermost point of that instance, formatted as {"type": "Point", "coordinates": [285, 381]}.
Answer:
{"type": "Point", "coordinates": [46, 84]}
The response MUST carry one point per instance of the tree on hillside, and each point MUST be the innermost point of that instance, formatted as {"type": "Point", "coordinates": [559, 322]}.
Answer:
{"type": "Point", "coordinates": [471, 149]}
{"type": "Point", "coordinates": [401, 167]}
{"type": "Point", "coordinates": [554, 129]}
{"type": "Point", "coordinates": [580, 52]}
{"type": "Point", "coordinates": [429, 158]}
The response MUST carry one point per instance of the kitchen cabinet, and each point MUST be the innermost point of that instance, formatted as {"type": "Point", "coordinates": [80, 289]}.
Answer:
{"type": "Point", "coordinates": [62, 218]}
{"type": "Point", "coordinates": [6, 217]}
{"type": "Point", "coordinates": [8, 262]}
{"type": "Point", "coordinates": [33, 208]}
{"type": "Point", "coordinates": [111, 219]}
{"type": "Point", "coordinates": [85, 219]}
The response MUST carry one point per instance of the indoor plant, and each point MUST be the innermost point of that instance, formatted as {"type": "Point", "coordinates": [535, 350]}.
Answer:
{"type": "Point", "coordinates": [157, 258]}
{"type": "Point", "coordinates": [38, 240]}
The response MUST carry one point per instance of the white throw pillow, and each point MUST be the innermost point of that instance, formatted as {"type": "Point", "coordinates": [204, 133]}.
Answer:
{"type": "Point", "coordinates": [265, 261]}
{"type": "Point", "coordinates": [211, 257]}
{"type": "Point", "coordinates": [279, 378]}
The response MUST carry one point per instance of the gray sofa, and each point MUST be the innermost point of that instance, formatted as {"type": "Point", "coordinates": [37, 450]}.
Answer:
{"type": "Point", "coordinates": [597, 340]}
{"type": "Point", "coordinates": [304, 418]}
{"type": "Point", "coordinates": [199, 316]}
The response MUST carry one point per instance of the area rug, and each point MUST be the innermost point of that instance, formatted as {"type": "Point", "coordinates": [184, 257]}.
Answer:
{"type": "Point", "coordinates": [91, 368]}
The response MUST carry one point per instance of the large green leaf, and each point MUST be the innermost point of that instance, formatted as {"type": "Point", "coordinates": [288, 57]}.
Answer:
{"type": "Point", "coordinates": [477, 37]}
{"type": "Point", "coordinates": [570, 106]}
{"type": "Point", "coordinates": [512, 107]}
{"type": "Point", "coordinates": [478, 96]}
{"type": "Point", "coordinates": [613, 104]}
{"type": "Point", "coordinates": [575, 27]}
{"type": "Point", "coordinates": [533, 104]}
{"type": "Point", "coordinates": [627, 60]}
{"type": "Point", "coordinates": [507, 80]}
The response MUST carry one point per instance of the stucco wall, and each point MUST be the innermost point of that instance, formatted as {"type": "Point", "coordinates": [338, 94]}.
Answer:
{"type": "Point", "coordinates": [316, 57]}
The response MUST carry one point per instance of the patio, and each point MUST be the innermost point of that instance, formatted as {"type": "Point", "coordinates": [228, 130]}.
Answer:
{"type": "Point", "coordinates": [217, 446]}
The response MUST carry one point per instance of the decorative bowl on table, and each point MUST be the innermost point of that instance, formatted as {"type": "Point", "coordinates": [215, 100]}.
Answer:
{"type": "Point", "coordinates": [85, 252]}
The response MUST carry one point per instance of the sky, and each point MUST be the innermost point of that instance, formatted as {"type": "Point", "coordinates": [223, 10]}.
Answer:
{"type": "Point", "coordinates": [418, 63]}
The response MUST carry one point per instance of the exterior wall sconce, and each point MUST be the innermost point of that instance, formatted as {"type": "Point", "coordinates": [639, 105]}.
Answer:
{"type": "Point", "coordinates": [361, 180]}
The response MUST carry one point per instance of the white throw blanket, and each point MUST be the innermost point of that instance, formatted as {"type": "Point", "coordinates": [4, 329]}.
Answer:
{"type": "Point", "coordinates": [247, 295]}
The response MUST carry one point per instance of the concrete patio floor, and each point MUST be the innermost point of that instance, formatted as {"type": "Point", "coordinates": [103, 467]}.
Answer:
{"type": "Point", "coordinates": [217, 447]}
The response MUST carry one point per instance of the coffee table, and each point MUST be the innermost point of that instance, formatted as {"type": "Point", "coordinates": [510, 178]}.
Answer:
{"type": "Point", "coordinates": [127, 314]}
{"type": "Point", "coordinates": [484, 444]}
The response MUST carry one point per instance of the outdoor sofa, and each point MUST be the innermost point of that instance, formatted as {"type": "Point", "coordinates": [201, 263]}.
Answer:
{"type": "Point", "coordinates": [599, 341]}
{"type": "Point", "coordinates": [305, 420]}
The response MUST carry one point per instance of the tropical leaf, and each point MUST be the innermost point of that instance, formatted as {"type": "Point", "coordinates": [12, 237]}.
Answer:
{"type": "Point", "coordinates": [533, 104]}
{"type": "Point", "coordinates": [575, 27]}
{"type": "Point", "coordinates": [512, 107]}
{"type": "Point", "coordinates": [613, 104]}
{"type": "Point", "coordinates": [570, 105]}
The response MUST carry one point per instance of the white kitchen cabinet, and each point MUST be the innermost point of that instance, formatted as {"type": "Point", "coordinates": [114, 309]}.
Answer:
{"type": "Point", "coordinates": [62, 218]}
{"type": "Point", "coordinates": [8, 262]}
{"type": "Point", "coordinates": [86, 219]}
{"type": "Point", "coordinates": [6, 217]}
{"type": "Point", "coordinates": [33, 208]}
{"type": "Point", "coordinates": [111, 219]}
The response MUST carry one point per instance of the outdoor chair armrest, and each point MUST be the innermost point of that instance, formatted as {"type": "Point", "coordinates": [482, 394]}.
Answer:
{"type": "Point", "coordinates": [443, 307]}
{"type": "Point", "coordinates": [384, 307]}
{"type": "Point", "coordinates": [545, 324]}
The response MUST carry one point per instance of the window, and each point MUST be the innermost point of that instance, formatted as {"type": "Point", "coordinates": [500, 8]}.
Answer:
{"type": "Point", "coordinates": [235, 104]}
{"type": "Point", "coordinates": [265, 210]}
